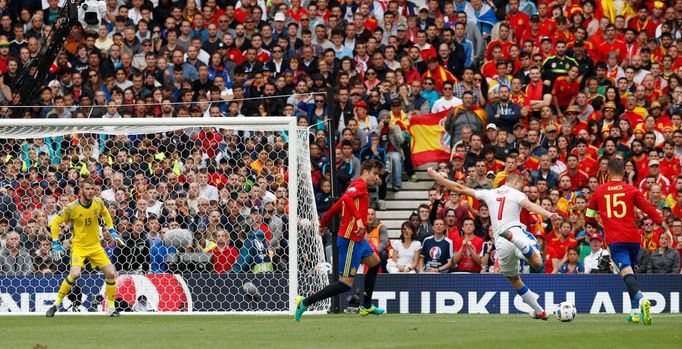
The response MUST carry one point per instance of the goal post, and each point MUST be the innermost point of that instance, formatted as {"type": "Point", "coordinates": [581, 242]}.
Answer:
{"type": "Point", "coordinates": [244, 183]}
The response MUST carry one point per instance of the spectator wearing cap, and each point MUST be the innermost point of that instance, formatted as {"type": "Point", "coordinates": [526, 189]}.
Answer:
{"type": "Point", "coordinates": [655, 174]}
{"type": "Point", "coordinates": [4, 54]}
{"type": "Point", "coordinates": [580, 52]}
{"type": "Point", "coordinates": [504, 113]}
{"type": "Point", "coordinates": [365, 121]}
{"type": "Point", "coordinates": [532, 32]}
{"type": "Point", "coordinates": [563, 33]}
{"type": "Point", "coordinates": [438, 73]}
{"type": "Point", "coordinates": [591, 261]}
{"type": "Point", "coordinates": [550, 138]}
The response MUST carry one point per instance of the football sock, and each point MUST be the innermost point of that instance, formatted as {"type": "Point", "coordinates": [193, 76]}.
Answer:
{"type": "Point", "coordinates": [64, 289]}
{"type": "Point", "coordinates": [525, 248]}
{"type": "Point", "coordinates": [370, 280]}
{"type": "Point", "coordinates": [110, 290]}
{"type": "Point", "coordinates": [633, 290]}
{"type": "Point", "coordinates": [329, 291]}
{"type": "Point", "coordinates": [529, 298]}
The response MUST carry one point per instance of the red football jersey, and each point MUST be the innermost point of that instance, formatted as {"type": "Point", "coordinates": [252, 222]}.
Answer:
{"type": "Point", "coordinates": [353, 207]}
{"type": "Point", "coordinates": [564, 90]}
{"type": "Point", "coordinates": [467, 262]}
{"type": "Point", "coordinates": [615, 201]}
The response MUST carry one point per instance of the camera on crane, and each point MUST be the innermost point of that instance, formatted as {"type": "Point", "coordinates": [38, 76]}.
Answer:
{"type": "Point", "coordinates": [90, 13]}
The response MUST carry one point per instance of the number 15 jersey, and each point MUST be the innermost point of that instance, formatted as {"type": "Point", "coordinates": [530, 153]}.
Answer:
{"type": "Point", "coordinates": [615, 202]}
{"type": "Point", "coordinates": [504, 205]}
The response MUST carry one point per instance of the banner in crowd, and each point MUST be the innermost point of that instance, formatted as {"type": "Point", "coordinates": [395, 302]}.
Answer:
{"type": "Point", "coordinates": [397, 293]}
{"type": "Point", "coordinates": [430, 142]}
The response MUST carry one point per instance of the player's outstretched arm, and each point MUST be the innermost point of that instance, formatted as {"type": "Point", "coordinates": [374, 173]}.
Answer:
{"type": "Point", "coordinates": [530, 206]}
{"type": "Point", "coordinates": [458, 188]}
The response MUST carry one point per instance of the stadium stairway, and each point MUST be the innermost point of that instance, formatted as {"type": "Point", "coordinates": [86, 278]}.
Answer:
{"type": "Point", "coordinates": [400, 205]}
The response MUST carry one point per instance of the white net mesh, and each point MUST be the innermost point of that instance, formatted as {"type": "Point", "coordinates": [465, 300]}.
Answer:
{"type": "Point", "coordinates": [313, 271]}
{"type": "Point", "coordinates": [172, 190]}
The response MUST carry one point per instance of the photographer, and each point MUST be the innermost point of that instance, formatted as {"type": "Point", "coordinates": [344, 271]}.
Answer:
{"type": "Point", "coordinates": [592, 261]}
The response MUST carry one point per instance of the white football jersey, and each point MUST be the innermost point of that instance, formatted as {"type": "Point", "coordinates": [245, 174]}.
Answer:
{"type": "Point", "coordinates": [504, 205]}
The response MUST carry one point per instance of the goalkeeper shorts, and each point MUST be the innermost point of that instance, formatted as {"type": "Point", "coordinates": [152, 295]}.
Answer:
{"type": "Point", "coordinates": [98, 257]}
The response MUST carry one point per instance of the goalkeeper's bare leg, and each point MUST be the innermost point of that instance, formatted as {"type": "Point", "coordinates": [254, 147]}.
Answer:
{"type": "Point", "coordinates": [64, 289]}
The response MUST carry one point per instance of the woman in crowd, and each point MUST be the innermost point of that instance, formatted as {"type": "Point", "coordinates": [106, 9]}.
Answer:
{"type": "Point", "coordinates": [665, 259]}
{"type": "Point", "coordinates": [405, 253]}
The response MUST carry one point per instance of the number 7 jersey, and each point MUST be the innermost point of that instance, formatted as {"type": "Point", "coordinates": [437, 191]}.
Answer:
{"type": "Point", "coordinates": [615, 203]}
{"type": "Point", "coordinates": [504, 205]}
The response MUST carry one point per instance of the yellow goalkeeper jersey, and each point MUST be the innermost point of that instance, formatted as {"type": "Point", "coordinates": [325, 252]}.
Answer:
{"type": "Point", "coordinates": [85, 221]}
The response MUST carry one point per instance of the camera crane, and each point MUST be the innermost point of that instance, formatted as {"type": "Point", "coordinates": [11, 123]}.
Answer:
{"type": "Point", "coordinates": [32, 77]}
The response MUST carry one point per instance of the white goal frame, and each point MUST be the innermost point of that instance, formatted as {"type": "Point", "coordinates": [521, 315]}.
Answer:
{"type": "Point", "coordinates": [11, 128]}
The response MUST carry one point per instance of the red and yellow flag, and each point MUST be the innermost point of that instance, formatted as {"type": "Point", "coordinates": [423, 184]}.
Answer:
{"type": "Point", "coordinates": [430, 142]}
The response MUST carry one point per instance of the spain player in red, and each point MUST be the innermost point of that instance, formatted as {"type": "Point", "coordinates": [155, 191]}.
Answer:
{"type": "Point", "coordinates": [615, 201]}
{"type": "Point", "coordinates": [353, 247]}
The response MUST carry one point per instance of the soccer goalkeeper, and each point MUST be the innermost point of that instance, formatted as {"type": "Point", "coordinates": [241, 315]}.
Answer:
{"type": "Point", "coordinates": [84, 214]}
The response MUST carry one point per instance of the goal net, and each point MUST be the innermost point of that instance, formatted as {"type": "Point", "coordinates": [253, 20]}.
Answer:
{"type": "Point", "coordinates": [217, 214]}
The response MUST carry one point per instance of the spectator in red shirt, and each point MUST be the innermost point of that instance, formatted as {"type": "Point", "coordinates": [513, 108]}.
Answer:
{"type": "Point", "coordinates": [643, 23]}
{"type": "Point", "coordinates": [670, 164]}
{"type": "Point", "coordinates": [468, 247]}
{"type": "Point", "coordinates": [578, 177]}
{"type": "Point", "coordinates": [224, 255]}
{"type": "Point", "coordinates": [296, 10]}
{"type": "Point", "coordinates": [563, 242]}
{"type": "Point", "coordinates": [504, 42]}
{"type": "Point", "coordinates": [611, 44]}
{"type": "Point", "coordinates": [518, 20]}
{"type": "Point", "coordinates": [565, 90]}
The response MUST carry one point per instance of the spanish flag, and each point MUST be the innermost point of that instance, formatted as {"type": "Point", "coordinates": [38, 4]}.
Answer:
{"type": "Point", "coordinates": [430, 142]}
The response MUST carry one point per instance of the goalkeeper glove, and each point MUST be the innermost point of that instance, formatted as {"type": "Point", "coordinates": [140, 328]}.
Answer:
{"type": "Point", "coordinates": [116, 237]}
{"type": "Point", "coordinates": [57, 250]}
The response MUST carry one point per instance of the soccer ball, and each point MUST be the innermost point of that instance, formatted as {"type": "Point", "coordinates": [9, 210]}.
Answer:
{"type": "Point", "coordinates": [566, 312]}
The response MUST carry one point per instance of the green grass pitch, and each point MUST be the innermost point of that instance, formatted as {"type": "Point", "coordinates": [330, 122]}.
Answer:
{"type": "Point", "coordinates": [337, 331]}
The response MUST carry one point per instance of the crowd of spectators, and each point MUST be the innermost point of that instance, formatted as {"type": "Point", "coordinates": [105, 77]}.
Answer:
{"type": "Point", "coordinates": [551, 89]}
